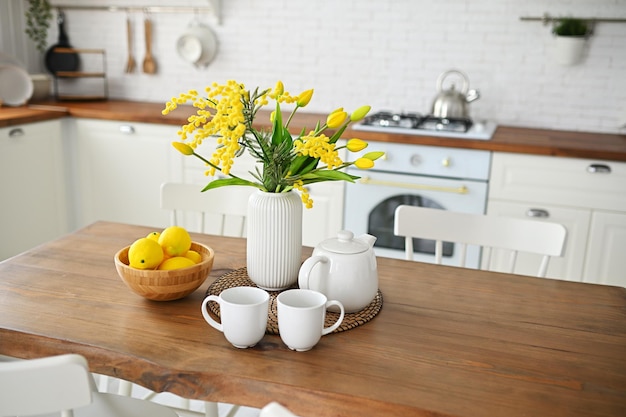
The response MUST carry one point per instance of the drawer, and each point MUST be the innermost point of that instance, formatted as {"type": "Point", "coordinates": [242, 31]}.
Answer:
{"type": "Point", "coordinates": [555, 180]}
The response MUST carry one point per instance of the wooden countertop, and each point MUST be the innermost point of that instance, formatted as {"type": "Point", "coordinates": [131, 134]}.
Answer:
{"type": "Point", "coordinates": [587, 145]}
{"type": "Point", "coordinates": [447, 342]}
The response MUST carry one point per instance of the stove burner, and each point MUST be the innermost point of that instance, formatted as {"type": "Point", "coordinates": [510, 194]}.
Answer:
{"type": "Point", "coordinates": [417, 121]}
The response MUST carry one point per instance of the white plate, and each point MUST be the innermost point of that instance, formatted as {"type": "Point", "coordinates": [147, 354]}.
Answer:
{"type": "Point", "coordinates": [16, 87]}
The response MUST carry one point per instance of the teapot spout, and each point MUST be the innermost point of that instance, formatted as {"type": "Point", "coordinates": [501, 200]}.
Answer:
{"type": "Point", "coordinates": [367, 239]}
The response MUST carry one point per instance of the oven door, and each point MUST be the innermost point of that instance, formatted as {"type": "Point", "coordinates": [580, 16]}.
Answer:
{"type": "Point", "coordinates": [370, 204]}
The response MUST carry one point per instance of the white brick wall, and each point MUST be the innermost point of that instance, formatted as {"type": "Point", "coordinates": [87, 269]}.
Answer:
{"type": "Point", "coordinates": [384, 53]}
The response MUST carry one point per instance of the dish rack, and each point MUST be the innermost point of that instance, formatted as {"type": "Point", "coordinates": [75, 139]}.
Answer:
{"type": "Point", "coordinates": [93, 72]}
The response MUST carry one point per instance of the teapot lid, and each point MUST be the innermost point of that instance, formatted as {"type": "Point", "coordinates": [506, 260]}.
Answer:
{"type": "Point", "coordinates": [344, 243]}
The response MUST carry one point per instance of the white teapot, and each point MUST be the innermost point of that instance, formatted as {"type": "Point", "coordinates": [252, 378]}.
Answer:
{"type": "Point", "coordinates": [344, 269]}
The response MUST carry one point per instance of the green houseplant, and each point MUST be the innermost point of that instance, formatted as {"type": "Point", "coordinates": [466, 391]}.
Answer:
{"type": "Point", "coordinates": [38, 17]}
{"type": "Point", "coordinates": [569, 26]}
{"type": "Point", "coordinates": [571, 35]}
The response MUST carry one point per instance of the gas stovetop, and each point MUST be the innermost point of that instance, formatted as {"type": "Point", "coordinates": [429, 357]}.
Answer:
{"type": "Point", "coordinates": [417, 124]}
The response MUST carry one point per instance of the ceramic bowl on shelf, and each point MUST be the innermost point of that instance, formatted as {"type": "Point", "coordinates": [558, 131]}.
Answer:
{"type": "Point", "coordinates": [165, 285]}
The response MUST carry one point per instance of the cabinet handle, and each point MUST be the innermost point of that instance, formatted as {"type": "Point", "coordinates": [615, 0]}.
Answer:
{"type": "Point", "coordinates": [534, 212]}
{"type": "Point", "coordinates": [16, 133]}
{"type": "Point", "coordinates": [128, 129]}
{"type": "Point", "coordinates": [599, 169]}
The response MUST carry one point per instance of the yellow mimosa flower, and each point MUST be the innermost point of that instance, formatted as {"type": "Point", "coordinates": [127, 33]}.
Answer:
{"type": "Point", "coordinates": [356, 145]}
{"type": "Point", "coordinates": [360, 113]}
{"type": "Point", "coordinates": [304, 98]}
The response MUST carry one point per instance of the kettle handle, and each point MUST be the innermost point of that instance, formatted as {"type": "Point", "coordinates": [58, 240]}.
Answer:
{"type": "Point", "coordinates": [306, 268]}
{"type": "Point", "coordinates": [442, 77]}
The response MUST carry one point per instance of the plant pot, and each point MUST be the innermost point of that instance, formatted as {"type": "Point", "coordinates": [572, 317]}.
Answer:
{"type": "Point", "coordinates": [274, 239]}
{"type": "Point", "coordinates": [569, 50]}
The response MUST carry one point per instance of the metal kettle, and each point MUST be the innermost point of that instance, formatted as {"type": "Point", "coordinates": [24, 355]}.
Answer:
{"type": "Point", "coordinates": [452, 104]}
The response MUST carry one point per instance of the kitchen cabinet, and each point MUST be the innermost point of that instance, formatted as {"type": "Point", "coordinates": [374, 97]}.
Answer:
{"type": "Point", "coordinates": [587, 196]}
{"type": "Point", "coordinates": [120, 167]}
{"type": "Point", "coordinates": [32, 185]}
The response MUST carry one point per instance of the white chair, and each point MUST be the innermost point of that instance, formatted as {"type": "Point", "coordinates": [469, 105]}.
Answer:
{"type": "Point", "coordinates": [489, 232]}
{"type": "Point", "coordinates": [221, 211]}
{"type": "Point", "coordinates": [62, 386]}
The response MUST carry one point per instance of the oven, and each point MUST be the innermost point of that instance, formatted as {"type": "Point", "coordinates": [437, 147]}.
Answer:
{"type": "Point", "coordinates": [429, 176]}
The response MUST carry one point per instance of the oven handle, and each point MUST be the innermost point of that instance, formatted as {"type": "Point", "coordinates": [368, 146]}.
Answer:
{"type": "Point", "coordinates": [457, 190]}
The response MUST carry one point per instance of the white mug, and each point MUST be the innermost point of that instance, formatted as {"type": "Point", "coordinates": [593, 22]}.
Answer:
{"type": "Point", "coordinates": [243, 315]}
{"type": "Point", "coordinates": [301, 315]}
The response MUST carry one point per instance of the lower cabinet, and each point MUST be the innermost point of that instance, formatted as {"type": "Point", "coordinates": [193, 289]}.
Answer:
{"type": "Point", "coordinates": [587, 196]}
{"type": "Point", "coordinates": [120, 167]}
{"type": "Point", "coordinates": [606, 250]}
{"type": "Point", "coordinates": [32, 185]}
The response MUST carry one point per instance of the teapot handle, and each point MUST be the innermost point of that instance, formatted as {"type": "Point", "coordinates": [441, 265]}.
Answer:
{"type": "Point", "coordinates": [465, 87]}
{"type": "Point", "coordinates": [306, 268]}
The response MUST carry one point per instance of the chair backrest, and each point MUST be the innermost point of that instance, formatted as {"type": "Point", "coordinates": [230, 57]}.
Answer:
{"type": "Point", "coordinates": [489, 232]}
{"type": "Point", "coordinates": [47, 385]}
{"type": "Point", "coordinates": [221, 211]}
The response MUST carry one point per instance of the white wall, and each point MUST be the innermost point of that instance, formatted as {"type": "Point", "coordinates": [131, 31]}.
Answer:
{"type": "Point", "coordinates": [384, 53]}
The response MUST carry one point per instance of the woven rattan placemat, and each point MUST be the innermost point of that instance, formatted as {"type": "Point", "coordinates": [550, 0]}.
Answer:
{"type": "Point", "coordinates": [239, 278]}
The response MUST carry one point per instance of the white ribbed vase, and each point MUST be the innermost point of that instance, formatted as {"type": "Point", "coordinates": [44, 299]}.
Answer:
{"type": "Point", "coordinates": [274, 248]}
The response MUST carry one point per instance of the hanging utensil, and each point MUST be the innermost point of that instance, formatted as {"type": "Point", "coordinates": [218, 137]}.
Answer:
{"type": "Point", "coordinates": [62, 59]}
{"type": "Point", "coordinates": [130, 64]}
{"type": "Point", "coordinates": [149, 65]}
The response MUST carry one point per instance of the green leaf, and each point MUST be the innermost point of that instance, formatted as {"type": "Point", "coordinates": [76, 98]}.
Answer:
{"type": "Point", "coordinates": [302, 164]}
{"type": "Point", "coordinates": [223, 182]}
{"type": "Point", "coordinates": [277, 129]}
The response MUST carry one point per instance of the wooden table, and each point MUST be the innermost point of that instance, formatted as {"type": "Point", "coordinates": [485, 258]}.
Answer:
{"type": "Point", "coordinates": [447, 341]}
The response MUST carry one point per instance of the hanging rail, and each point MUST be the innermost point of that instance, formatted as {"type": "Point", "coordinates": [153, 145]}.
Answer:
{"type": "Point", "coordinates": [546, 18]}
{"type": "Point", "coordinates": [213, 8]}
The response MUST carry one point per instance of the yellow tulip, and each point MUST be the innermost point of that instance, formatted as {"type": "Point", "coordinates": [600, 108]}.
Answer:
{"type": "Point", "coordinates": [355, 145]}
{"type": "Point", "coordinates": [304, 98]}
{"type": "Point", "coordinates": [364, 163]}
{"type": "Point", "coordinates": [360, 113]}
{"type": "Point", "coordinates": [336, 118]}
{"type": "Point", "coordinates": [279, 89]}
{"type": "Point", "coordinates": [183, 148]}
{"type": "Point", "coordinates": [373, 155]}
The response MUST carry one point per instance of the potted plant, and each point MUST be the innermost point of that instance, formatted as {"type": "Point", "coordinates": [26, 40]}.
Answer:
{"type": "Point", "coordinates": [38, 17]}
{"type": "Point", "coordinates": [571, 35]}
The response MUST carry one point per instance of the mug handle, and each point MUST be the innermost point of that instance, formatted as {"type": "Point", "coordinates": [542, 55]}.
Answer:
{"type": "Point", "coordinates": [305, 270]}
{"type": "Point", "coordinates": [329, 329]}
{"type": "Point", "coordinates": [206, 315]}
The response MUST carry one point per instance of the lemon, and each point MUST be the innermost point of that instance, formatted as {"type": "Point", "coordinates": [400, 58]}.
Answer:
{"type": "Point", "coordinates": [194, 256]}
{"type": "Point", "coordinates": [175, 241]}
{"type": "Point", "coordinates": [176, 262]}
{"type": "Point", "coordinates": [154, 236]}
{"type": "Point", "coordinates": [145, 253]}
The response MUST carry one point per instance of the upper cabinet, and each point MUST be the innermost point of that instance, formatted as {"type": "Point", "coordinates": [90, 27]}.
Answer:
{"type": "Point", "coordinates": [587, 196]}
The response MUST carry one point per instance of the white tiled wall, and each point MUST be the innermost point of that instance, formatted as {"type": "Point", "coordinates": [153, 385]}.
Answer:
{"type": "Point", "coordinates": [384, 53]}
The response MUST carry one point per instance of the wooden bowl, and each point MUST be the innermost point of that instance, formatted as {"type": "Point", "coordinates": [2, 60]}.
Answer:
{"type": "Point", "coordinates": [165, 285]}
